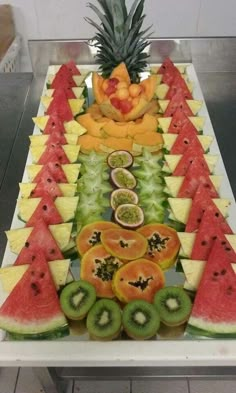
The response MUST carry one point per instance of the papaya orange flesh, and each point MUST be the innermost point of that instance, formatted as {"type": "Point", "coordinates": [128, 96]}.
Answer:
{"type": "Point", "coordinates": [165, 244]}
{"type": "Point", "coordinates": [124, 244]}
{"type": "Point", "coordinates": [90, 235]}
{"type": "Point", "coordinates": [139, 279]}
{"type": "Point", "coordinates": [98, 267]}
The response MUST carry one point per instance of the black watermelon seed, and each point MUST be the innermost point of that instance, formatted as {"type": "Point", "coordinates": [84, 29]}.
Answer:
{"type": "Point", "coordinates": [223, 272]}
{"type": "Point", "coordinates": [203, 243]}
{"type": "Point", "coordinates": [27, 244]}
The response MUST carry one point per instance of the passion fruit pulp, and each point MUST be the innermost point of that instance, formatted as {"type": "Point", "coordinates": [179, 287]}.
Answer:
{"type": "Point", "coordinates": [122, 178]}
{"type": "Point", "coordinates": [120, 159]}
{"type": "Point", "coordinates": [129, 216]}
{"type": "Point", "coordinates": [122, 196]}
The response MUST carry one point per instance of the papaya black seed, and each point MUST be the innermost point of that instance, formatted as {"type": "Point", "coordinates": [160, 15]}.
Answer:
{"type": "Point", "coordinates": [123, 244]}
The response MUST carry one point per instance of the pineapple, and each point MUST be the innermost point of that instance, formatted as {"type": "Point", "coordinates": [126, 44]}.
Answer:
{"type": "Point", "coordinates": [119, 37]}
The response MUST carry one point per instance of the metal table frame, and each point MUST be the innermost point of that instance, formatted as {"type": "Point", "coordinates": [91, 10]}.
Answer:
{"type": "Point", "coordinates": [55, 362]}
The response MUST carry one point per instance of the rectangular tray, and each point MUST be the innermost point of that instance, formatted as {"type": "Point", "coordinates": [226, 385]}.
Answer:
{"type": "Point", "coordinates": [225, 191]}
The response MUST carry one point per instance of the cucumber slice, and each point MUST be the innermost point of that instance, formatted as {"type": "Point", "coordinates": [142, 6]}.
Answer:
{"type": "Point", "coordinates": [174, 183]}
{"type": "Point", "coordinates": [9, 276]}
{"type": "Point", "coordinates": [67, 207]}
{"type": "Point", "coordinates": [73, 127]}
{"type": "Point", "coordinates": [76, 105]}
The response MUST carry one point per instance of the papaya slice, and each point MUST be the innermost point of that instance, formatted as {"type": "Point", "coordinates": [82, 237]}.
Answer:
{"type": "Point", "coordinates": [98, 267]}
{"type": "Point", "coordinates": [90, 235]}
{"type": "Point", "coordinates": [139, 279]}
{"type": "Point", "coordinates": [124, 244]}
{"type": "Point", "coordinates": [163, 244]}
{"type": "Point", "coordinates": [92, 126]}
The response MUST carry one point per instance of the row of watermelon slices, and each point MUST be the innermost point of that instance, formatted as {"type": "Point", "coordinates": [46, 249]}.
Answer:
{"type": "Point", "coordinates": [48, 205]}
{"type": "Point", "coordinates": [208, 240]}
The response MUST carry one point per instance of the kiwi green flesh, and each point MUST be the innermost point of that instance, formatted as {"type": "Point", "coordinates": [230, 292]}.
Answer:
{"type": "Point", "coordinates": [104, 320]}
{"type": "Point", "coordinates": [77, 298]}
{"type": "Point", "coordinates": [140, 320]}
{"type": "Point", "coordinates": [173, 304]}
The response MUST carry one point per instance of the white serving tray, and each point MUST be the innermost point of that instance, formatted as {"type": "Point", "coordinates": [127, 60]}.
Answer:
{"type": "Point", "coordinates": [78, 350]}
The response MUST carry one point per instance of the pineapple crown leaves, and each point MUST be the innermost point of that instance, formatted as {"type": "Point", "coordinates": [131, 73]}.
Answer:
{"type": "Point", "coordinates": [119, 36]}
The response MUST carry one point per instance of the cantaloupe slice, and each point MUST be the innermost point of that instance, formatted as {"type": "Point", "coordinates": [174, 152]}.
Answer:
{"type": "Point", "coordinates": [88, 143]}
{"type": "Point", "coordinates": [121, 73]}
{"type": "Point", "coordinates": [111, 143]}
{"type": "Point", "coordinates": [92, 126]}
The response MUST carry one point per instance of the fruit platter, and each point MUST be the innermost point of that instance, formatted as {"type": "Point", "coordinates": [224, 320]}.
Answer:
{"type": "Point", "coordinates": [124, 224]}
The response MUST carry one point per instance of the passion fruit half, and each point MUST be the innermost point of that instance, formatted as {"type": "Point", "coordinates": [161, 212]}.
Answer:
{"type": "Point", "coordinates": [123, 196]}
{"type": "Point", "coordinates": [120, 159]}
{"type": "Point", "coordinates": [129, 216]}
{"type": "Point", "coordinates": [122, 178]}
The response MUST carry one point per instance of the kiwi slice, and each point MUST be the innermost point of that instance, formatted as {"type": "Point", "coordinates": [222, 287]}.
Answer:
{"type": "Point", "coordinates": [104, 320]}
{"type": "Point", "coordinates": [173, 304]}
{"type": "Point", "coordinates": [77, 298]}
{"type": "Point", "coordinates": [140, 320]}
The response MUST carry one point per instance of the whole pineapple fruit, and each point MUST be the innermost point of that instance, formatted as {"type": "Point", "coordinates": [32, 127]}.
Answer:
{"type": "Point", "coordinates": [119, 37]}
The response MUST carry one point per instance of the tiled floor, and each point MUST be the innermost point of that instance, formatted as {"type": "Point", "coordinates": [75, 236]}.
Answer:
{"type": "Point", "coordinates": [22, 380]}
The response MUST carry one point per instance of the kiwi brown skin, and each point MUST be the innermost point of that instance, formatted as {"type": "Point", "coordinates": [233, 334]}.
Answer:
{"type": "Point", "coordinates": [160, 300]}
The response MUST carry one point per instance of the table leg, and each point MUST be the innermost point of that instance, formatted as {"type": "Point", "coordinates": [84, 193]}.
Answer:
{"type": "Point", "coordinates": [50, 381]}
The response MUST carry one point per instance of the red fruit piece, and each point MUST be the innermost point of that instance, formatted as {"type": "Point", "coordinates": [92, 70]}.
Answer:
{"type": "Point", "coordinates": [115, 102]}
{"type": "Point", "coordinates": [47, 211]}
{"type": "Point", "coordinates": [177, 101]}
{"type": "Point", "coordinates": [125, 106]}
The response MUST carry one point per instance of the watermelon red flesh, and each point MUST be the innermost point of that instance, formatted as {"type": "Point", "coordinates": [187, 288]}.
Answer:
{"type": "Point", "coordinates": [51, 171]}
{"type": "Point", "coordinates": [177, 102]}
{"type": "Point", "coordinates": [201, 203]}
{"type": "Point", "coordinates": [196, 175]}
{"type": "Point", "coordinates": [214, 309]}
{"type": "Point", "coordinates": [54, 123]}
{"type": "Point", "coordinates": [60, 107]}
{"type": "Point", "coordinates": [181, 121]}
{"type": "Point", "coordinates": [63, 79]}
{"type": "Point", "coordinates": [186, 138]}
{"type": "Point", "coordinates": [179, 85]}
{"type": "Point", "coordinates": [33, 306]}
{"type": "Point", "coordinates": [209, 230]}
{"type": "Point", "coordinates": [189, 156]}
{"type": "Point", "coordinates": [47, 211]}
{"type": "Point", "coordinates": [67, 91]}
{"type": "Point", "coordinates": [56, 138]}
{"type": "Point", "coordinates": [168, 70]}
{"type": "Point", "coordinates": [72, 68]}
{"type": "Point", "coordinates": [46, 185]}
{"type": "Point", "coordinates": [39, 239]}
{"type": "Point", "coordinates": [54, 154]}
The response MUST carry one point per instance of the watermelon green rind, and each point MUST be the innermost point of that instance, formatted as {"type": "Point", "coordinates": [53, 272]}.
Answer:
{"type": "Point", "coordinates": [200, 327]}
{"type": "Point", "coordinates": [43, 326]}
{"type": "Point", "coordinates": [49, 335]}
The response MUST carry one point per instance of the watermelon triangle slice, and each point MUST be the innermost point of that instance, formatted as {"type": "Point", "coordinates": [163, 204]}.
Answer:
{"type": "Point", "coordinates": [186, 137]}
{"type": "Point", "coordinates": [60, 106]}
{"type": "Point", "coordinates": [56, 138]}
{"type": "Point", "coordinates": [66, 90]}
{"type": "Point", "coordinates": [52, 171]}
{"type": "Point", "coordinates": [214, 309]}
{"type": "Point", "coordinates": [181, 121]}
{"type": "Point", "coordinates": [72, 68]}
{"type": "Point", "coordinates": [39, 239]}
{"type": "Point", "coordinates": [179, 85]}
{"type": "Point", "coordinates": [188, 158]}
{"type": "Point", "coordinates": [177, 102]}
{"type": "Point", "coordinates": [46, 185]}
{"type": "Point", "coordinates": [54, 123]}
{"type": "Point", "coordinates": [47, 211]}
{"type": "Point", "coordinates": [168, 70]}
{"type": "Point", "coordinates": [196, 175]}
{"type": "Point", "coordinates": [54, 154]}
{"type": "Point", "coordinates": [209, 230]}
{"type": "Point", "coordinates": [63, 78]}
{"type": "Point", "coordinates": [201, 203]}
{"type": "Point", "coordinates": [33, 307]}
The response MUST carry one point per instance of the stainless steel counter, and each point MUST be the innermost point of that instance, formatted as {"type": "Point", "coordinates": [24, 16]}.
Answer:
{"type": "Point", "coordinates": [218, 83]}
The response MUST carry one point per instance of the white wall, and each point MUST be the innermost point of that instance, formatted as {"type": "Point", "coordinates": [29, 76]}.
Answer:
{"type": "Point", "coordinates": [44, 19]}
